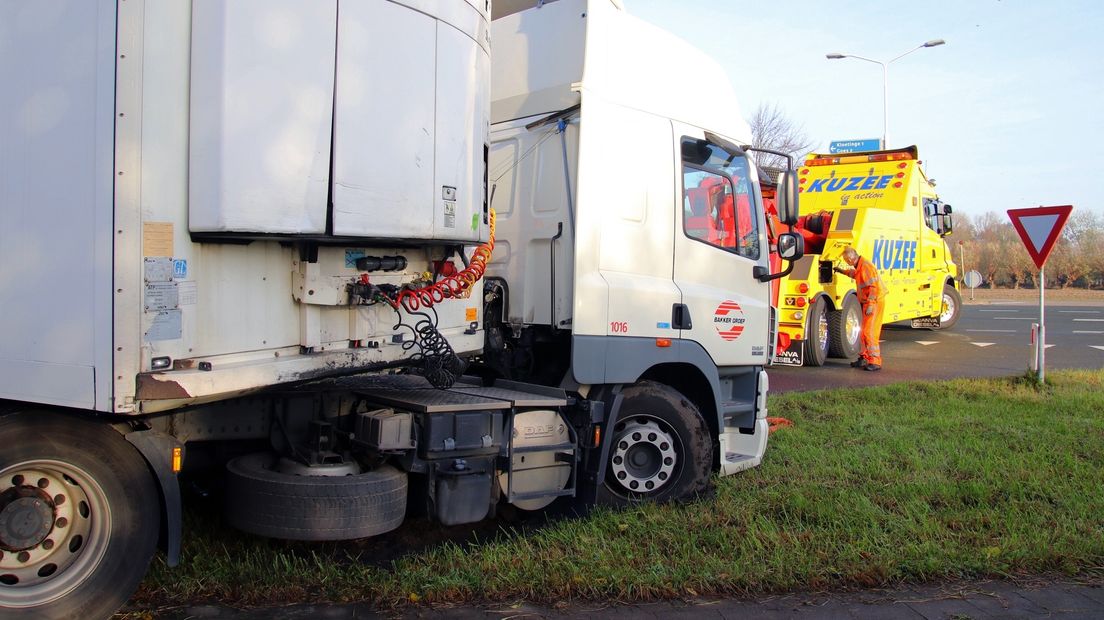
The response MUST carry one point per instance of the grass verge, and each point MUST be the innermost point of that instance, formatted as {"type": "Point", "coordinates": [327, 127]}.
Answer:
{"type": "Point", "coordinates": [871, 487]}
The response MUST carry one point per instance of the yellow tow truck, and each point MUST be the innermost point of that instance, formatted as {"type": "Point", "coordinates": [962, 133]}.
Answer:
{"type": "Point", "coordinates": [882, 204]}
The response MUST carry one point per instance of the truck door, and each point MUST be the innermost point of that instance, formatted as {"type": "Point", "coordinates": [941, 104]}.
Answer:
{"type": "Point", "coordinates": [720, 238]}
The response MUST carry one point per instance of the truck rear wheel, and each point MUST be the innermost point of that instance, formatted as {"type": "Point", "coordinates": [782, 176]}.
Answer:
{"type": "Point", "coordinates": [262, 500]}
{"type": "Point", "coordinates": [661, 448]}
{"type": "Point", "coordinates": [845, 329]}
{"type": "Point", "coordinates": [817, 333]}
{"type": "Point", "coordinates": [950, 308]}
{"type": "Point", "coordinates": [78, 517]}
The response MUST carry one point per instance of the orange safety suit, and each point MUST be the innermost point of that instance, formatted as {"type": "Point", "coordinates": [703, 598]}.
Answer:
{"type": "Point", "coordinates": [871, 292]}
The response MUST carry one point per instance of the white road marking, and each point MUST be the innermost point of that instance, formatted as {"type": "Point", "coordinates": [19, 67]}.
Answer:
{"type": "Point", "coordinates": [983, 344]}
{"type": "Point", "coordinates": [1077, 331]}
{"type": "Point", "coordinates": [1097, 347]}
{"type": "Point", "coordinates": [1079, 311]}
{"type": "Point", "coordinates": [995, 331]}
{"type": "Point", "coordinates": [927, 342]}
{"type": "Point", "coordinates": [1090, 320]}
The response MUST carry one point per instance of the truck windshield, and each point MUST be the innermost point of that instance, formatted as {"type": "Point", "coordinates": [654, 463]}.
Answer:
{"type": "Point", "coordinates": [718, 199]}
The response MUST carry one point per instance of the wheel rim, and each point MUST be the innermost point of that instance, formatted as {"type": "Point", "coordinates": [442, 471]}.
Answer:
{"type": "Point", "coordinates": [948, 308]}
{"type": "Point", "coordinates": [852, 327]}
{"type": "Point", "coordinates": [646, 455]}
{"type": "Point", "coordinates": [822, 331]}
{"type": "Point", "coordinates": [54, 525]}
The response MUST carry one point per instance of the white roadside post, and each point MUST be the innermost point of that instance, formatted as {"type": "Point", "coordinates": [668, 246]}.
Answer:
{"type": "Point", "coordinates": [1039, 229]}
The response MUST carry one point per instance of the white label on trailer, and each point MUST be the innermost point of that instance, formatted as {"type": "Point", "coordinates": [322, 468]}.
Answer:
{"type": "Point", "coordinates": [161, 296]}
{"type": "Point", "coordinates": [165, 326]}
{"type": "Point", "coordinates": [158, 269]}
{"type": "Point", "coordinates": [188, 292]}
{"type": "Point", "coordinates": [450, 214]}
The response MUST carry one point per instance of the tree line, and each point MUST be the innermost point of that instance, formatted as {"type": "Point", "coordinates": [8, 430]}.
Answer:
{"type": "Point", "coordinates": [990, 245]}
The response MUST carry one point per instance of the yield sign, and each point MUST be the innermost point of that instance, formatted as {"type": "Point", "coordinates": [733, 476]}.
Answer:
{"type": "Point", "coordinates": [1039, 228]}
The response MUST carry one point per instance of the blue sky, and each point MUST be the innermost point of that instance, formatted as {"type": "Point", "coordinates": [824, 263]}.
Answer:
{"type": "Point", "coordinates": [1008, 114]}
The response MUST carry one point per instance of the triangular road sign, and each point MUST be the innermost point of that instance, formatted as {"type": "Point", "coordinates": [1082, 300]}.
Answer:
{"type": "Point", "coordinates": [1039, 228]}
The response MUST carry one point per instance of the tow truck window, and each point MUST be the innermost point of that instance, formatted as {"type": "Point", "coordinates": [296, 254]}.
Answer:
{"type": "Point", "coordinates": [718, 200]}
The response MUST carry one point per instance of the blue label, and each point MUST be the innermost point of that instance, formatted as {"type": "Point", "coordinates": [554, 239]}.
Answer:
{"type": "Point", "coordinates": [854, 146]}
{"type": "Point", "coordinates": [351, 257]}
{"type": "Point", "coordinates": [894, 254]}
{"type": "Point", "coordinates": [663, 325]}
{"type": "Point", "coordinates": [180, 268]}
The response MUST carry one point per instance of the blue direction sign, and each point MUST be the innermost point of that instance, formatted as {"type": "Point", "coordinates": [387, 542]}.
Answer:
{"type": "Point", "coordinates": [854, 146]}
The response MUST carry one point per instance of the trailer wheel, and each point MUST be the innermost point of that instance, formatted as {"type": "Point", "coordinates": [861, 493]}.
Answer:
{"type": "Point", "coordinates": [845, 329]}
{"type": "Point", "coordinates": [661, 449]}
{"type": "Point", "coordinates": [951, 307]}
{"type": "Point", "coordinates": [263, 501]}
{"type": "Point", "coordinates": [817, 333]}
{"type": "Point", "coordinates": [79, 517]}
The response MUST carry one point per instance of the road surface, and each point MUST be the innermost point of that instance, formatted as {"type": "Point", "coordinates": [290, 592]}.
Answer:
{"type": "Point", "coordinates": [989, 340]}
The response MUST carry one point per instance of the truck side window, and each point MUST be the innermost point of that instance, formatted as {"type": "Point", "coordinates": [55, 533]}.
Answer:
{"type": "Point", "coordinates": [718, 204]}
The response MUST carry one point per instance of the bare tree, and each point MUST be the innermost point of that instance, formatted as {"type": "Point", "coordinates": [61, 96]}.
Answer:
{"type": "Point", "coordinates": [771, 128]}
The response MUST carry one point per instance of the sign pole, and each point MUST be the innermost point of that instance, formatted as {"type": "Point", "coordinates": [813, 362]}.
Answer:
{"type": "Point", "coordinates": [1042, 326]}
{"type": "Point", "coordinates": [1039, 229]}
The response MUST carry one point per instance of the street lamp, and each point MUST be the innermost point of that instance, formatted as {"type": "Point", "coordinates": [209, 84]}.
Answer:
{"type": "Point", "coordinates": [885, 80]}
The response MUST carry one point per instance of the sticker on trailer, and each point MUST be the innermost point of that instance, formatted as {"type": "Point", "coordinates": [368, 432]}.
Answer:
{"type": "Point", "coordinates": [180, 269]}
{"type": "Point", "coordinates": [729, 320]}
{"type": "Point", "coordinates": [161, 296]}
{"type": "Point", "coordinates": [157, 269]}
{"type": "Point", "coordinates": [188, 293]}
{"type": "Point", "coordinates": [166, 326]}
{"type": "Point", "coordinates": [929, 322]}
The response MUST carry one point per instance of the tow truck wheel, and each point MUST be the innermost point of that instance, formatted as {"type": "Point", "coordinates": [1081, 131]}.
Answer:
{"type": "Point", "coordinates": [951, 307]}
{"type": "Point", "coordinates": [78, 517]}
{"type": "Point", "coordinates": [845, 329]}
{"type": "Point", "coordinates": [661, 448]}
{"type": "Point", "coordinates": [817, 334]}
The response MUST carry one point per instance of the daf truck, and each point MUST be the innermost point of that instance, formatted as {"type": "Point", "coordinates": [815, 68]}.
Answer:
{"type": "Point", "coordinates": [882, 204]}
{"type": "Point", "coordinates": [279, 240]}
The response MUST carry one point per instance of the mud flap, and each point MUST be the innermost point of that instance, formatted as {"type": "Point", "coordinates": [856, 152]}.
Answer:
{"type": "Point", "coordinates": [157, 449]}
{"type": "Point", "coordinates": [793, 355]}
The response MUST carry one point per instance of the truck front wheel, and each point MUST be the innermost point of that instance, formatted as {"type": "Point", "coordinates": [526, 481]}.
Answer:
{"type": "Point", "coordinates": [951, 307]}
{"type": "Point", "coordinates": [78, 517]}
{"type": "Point", "coordinates": [661, 448]}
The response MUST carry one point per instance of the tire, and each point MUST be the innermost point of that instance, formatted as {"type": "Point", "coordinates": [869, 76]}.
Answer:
{"type": "Point", "coordinates": [87, 497]}
{"type": "Point", "coordinates": [845, 329]}
{"type": "Point", "coordinates": [951, 307]}
{"type": "Point", "coordinates": [266, 502]}
{"type": "Point", "coordinates": [817, 334]}
{"type": "Point", "coordinates": [661, 449]}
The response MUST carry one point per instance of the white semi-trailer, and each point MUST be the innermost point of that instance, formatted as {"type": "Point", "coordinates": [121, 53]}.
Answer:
{"type": "Point", "coordinates": [267, 229]}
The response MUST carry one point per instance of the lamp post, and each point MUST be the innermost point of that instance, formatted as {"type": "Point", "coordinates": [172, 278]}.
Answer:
{"type": "Point", "coordinates": [885, 80]}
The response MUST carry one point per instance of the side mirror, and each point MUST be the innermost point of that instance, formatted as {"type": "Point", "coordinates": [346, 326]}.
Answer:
{"type": "Point", "coordinates": [948, 222]}
{"type": "Point", "coordinates": [947, 209]}
{"type": "Point", "coordinates": [791, 246]}
{"type": "Point", "coordinates": [786, 198]}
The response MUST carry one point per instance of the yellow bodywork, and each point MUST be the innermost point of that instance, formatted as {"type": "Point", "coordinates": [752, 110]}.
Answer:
{"type": "Point", "coordinates": [878, 207]}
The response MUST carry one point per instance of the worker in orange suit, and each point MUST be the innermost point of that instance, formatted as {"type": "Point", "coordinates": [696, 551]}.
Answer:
{"type": "Point", "coordinates": [871, 294]}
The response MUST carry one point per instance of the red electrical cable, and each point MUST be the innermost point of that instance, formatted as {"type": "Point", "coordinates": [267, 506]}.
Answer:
{"type": "Point", "coordinates": [456, 286]}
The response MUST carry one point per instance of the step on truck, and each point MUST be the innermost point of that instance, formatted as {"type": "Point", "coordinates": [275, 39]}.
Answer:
{"type": "Point", "coordinates": [882, 204]}
{"type": "Point", "coordinates": [257, 239]}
